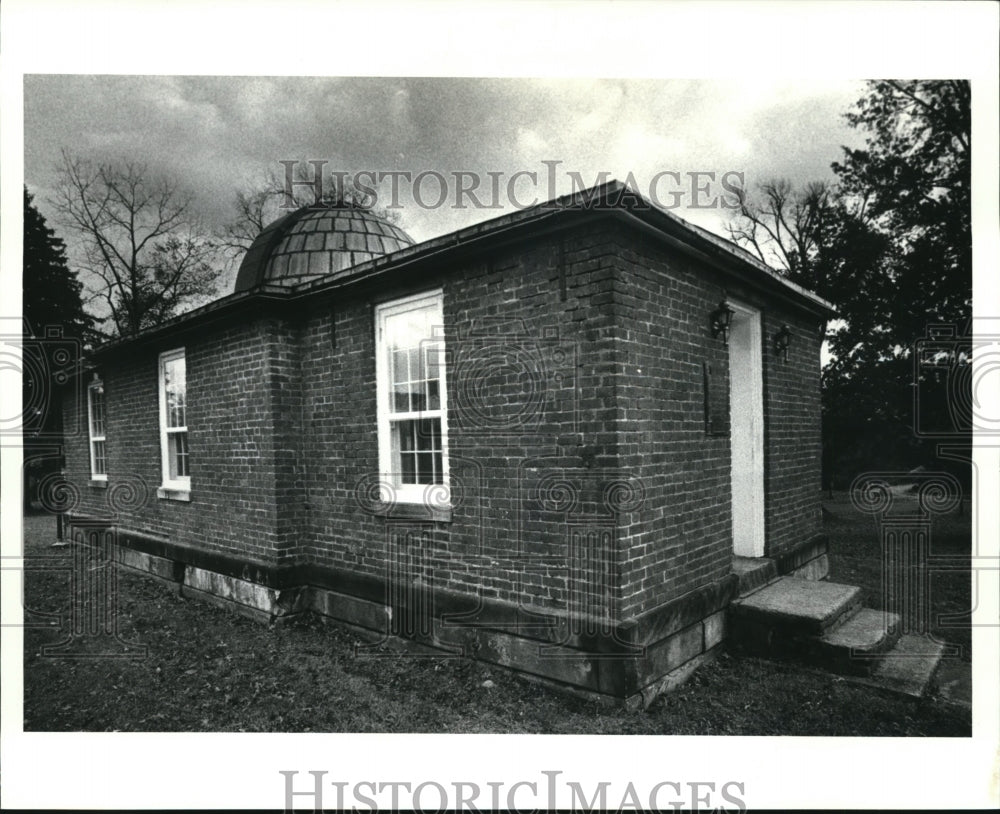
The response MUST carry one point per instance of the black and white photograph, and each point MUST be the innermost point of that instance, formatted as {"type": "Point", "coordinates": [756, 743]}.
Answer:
{"type": "Point", "coordinates": [394, 398]}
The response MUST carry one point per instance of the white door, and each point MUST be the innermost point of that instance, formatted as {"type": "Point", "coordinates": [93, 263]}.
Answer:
{"type": "Point", "coordinates": [746, 411]}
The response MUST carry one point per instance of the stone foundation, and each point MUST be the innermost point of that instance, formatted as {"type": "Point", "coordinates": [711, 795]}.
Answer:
{"type": "Point", "coordinates": [629, 662]}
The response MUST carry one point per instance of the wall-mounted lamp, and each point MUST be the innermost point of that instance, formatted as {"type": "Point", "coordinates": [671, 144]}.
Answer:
{"type": "Point", "coordinates": [722, 318]}
{"type": "Point", "coordinates": [782, 339]}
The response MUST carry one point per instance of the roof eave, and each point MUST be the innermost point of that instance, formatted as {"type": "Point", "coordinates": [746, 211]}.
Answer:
{"type": "Point", "coordinates": [612, 197]}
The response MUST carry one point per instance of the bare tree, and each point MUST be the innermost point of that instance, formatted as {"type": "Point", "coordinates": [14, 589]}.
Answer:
{"type": "Point", "coordinates": [783, 227]}
{"type": "Point", "coordinates": [144, 254]}
{"type": "Point", "coordinates": [257, 205]}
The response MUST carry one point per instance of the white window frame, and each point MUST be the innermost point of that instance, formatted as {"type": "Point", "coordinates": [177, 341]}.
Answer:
{"type": "Point", "coordinates": [409, 493]}
{"type": "Point", "coordinates": [180, 484]}
{"type": "Point", "coordinates": [94, 438]}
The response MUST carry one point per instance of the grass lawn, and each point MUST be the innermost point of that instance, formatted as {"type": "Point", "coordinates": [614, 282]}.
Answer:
{"type": "Point", "coordinates": [208, 670]}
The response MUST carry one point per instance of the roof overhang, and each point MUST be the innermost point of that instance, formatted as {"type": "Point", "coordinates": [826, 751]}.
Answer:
{"type": "Point", "coordinates": [613, 199]}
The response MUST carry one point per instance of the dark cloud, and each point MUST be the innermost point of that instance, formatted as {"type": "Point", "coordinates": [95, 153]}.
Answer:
{"type": "Point", "coordinates": [217, 134]}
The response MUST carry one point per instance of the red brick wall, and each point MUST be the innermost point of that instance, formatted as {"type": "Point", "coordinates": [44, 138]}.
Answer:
{"type": "Point", "coordinates": [792, 441]}
{"type": "Point", "coordinates": [682, 537]}
{"type": "Point", "coordinates": [528, 401]}
{"type": "Point", "coordinates": [233, 378]}
{"type": "Point", "coordinates": [289, 444]}
{"type": "Point", "coordinates": [582, 475]}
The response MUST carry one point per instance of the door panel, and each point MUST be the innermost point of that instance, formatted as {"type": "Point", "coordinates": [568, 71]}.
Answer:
{"type": "Point", "coordinates": [746, 409]}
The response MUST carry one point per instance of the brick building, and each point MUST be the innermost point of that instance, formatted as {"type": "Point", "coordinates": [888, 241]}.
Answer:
{"type": "Point", "coordinates": [548, 441]}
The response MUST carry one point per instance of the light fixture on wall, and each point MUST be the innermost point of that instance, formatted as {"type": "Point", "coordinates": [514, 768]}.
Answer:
{"type": "Point", "coordinates": [722, 318]}
{"type": "Point", "coordinates": [782, 339]}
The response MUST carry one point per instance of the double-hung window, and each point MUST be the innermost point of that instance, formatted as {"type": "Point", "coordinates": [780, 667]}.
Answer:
{"type": "Point", "coordinates": [173, 421]}
{"type": "Point", "coordinates": [95, 421]}
{"type": "Point", "coordinates": [412, 425]}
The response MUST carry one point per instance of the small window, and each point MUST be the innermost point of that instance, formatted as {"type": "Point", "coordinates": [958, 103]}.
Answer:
{"type": "Point", "coordinates": [173, 421]}
{"type": "Point", "coordinates": [95, 421]}
{"type": "Point", "coordinates": [412, 426]}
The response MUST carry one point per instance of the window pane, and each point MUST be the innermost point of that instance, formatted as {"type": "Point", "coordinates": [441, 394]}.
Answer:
{"type": "Point", "coordinates": [416, 364]}
{"type": "Point", "coordinates": [416, 446]}
{"type": "Point", "coordinates": [100, 461]}
{"type": "Point", "coordinates": [419, 435]}
{"type": "Point", "coordinates": [429, 468]}
{"type": "Point", "coordinates": [407, 466]}
{"type": "Point", "coordinates": [404, 431]}
{"type": "Point", "coordinates": [407, 336]}
{"type": "Point", "coordinates": [428, 434]}
{"type": "Point", "coordinates": [412, 350]}
{"type": "Point", "coordinates": [401, 398]}
{"type": "Point", "coordinates": [400, 367]}
{"type": "Point", "coordinates": [433, 395]}
{"type": "Point", "coordinates": [408, 387]}
{"type": "Point", "coordinates": [432, 375]}
{"type": "Point", "coordinates": [182, 454]}
{"type": "Point", "coordinates": [432, 354]}
{"type": "Point", "coordinates": [97, 411]}
{"type": "Point", "coordinates": [175, 386]}
{"type": "Point", "coordinates": [405, 331]}
{"type": "Point", "coordinates": [177, 452]}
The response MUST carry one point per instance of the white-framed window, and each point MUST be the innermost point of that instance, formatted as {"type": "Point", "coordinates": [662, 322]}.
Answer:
{"type": "Point", "coordinates": [412, 404]}
{"type": "Point", "coordinates": [95, 423]}
{"type": "Point", "coordinates": [173, 421]}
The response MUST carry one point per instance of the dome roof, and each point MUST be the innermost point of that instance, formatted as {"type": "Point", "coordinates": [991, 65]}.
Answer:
{"type": "Point", "coordinates": [315, 241]}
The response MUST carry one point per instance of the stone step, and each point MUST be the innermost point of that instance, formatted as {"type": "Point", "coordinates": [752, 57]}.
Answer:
{"type": "Point", "coordinates": [953, 680]}
{"type": "Point", "coordinates": [856, 646]}
{"type": "Point", "coordinates": [823, 624]}
{"type": "Point", "coordinates": [909, 667]}
{"type": "Point", "coordinates": [754, 573]}
{"type": "Point", "coordinates": [795, 608]}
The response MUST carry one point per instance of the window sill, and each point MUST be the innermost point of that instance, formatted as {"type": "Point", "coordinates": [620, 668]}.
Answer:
{"type": "Point", "coordinates": [98, 483]}
{"type": "Point", "coordinates": [167, 493]}
{"type": "Point", "coordinates": [414, 511]}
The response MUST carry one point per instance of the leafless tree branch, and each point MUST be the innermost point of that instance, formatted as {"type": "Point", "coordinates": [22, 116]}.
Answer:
{"type": "Point", "coordinates": [130, 226]}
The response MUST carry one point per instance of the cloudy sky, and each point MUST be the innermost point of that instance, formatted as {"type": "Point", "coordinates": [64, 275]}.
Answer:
{"type": "Point", "coordinates": [217, 134]}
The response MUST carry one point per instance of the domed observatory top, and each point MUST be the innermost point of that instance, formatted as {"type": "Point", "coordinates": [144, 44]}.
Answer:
{"type": "Point", "coordinates": [315, 241]}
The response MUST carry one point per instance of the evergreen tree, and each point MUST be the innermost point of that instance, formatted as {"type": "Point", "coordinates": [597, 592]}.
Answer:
{"type": "Point", "coordinates": [55, 329]}
{"type": "Point", "coordinates": [53, 296]}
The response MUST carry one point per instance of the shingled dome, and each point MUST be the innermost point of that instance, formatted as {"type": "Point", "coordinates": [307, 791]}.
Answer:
{"type": "Point", "coordinates": [313, 242]}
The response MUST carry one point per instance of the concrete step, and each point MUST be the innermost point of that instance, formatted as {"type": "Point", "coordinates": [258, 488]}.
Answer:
{"type": "Point", "coordinates": [856, 646]}
{"type": "Point", "coordinates": [953, 680]}
{"type": "Point", "coordinates": [909, 667]}
{"type": "Point", "coordinates": [754, 573]}
{"type": "Point", "coordinates": [795, 608]}
{"type": "Point", "coordinates": [823, 624]}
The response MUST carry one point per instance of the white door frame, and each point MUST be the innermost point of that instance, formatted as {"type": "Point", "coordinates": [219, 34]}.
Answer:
{"type": "Point", "coordinates": [746, 434]}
